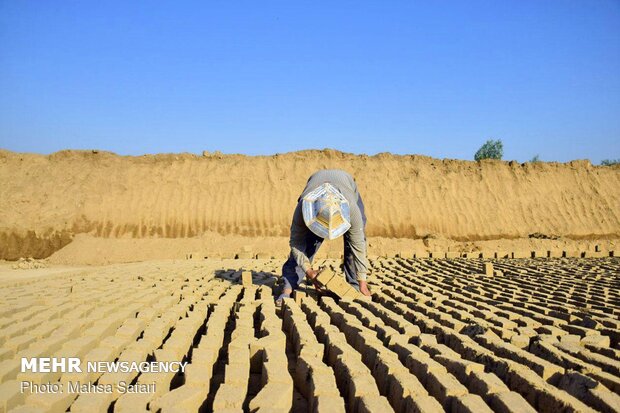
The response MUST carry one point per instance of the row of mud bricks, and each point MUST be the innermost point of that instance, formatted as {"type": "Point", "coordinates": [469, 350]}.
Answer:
{"type": "Point", "coordinates": [453, 335]}
{"type": "Point", "coordinates": [597, 252]}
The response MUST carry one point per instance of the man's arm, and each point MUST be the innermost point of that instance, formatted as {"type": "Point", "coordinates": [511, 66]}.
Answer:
{"type": "Point", "coordinates": [356, 239]}
{"type": "Point", "coordinates": [299, 233]}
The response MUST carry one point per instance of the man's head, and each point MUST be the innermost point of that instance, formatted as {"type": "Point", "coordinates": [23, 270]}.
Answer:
{"type": "Point", "coordinates": [326, 212]}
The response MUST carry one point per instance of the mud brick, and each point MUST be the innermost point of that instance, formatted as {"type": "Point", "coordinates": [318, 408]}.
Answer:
{"type": "Point", "coordinates": [509, 402]}
{"type": "Point", "coordinates": [325, 276]}
{"type": "Point", "coordinates": [521, 254]}
{"type": "Point", "coordinates": [313, 377]}
{"type": "Point", "coordinates": [160, 380]}
{"type": "Point", "coordinates": [328, 403]}
{"type": "Point", "coordinates": [555, 253]}
{"type": "Point", "coordinates": [422, 367]}
{"type": "Point", "coordinates": [384, 365]}
{"type": "Point", "coordinates": [114, 378]}
{"type": "Point", "coordinates": [187, 398]}
{"type": "Point", "coordinates": [606, 363]}
{"type": "Point", "coordinates": [539, 254]}
{"type": "Point", "coordinates": [402, 386]}
{"type": "Point", "coordinates": [169, 354]}
{"type": "Point", "coordinates": [298, 296]}
{"type": "Point", "coordinates": [10, 395]}
{"type": "Point", "coordinates": [198, 375]}
{"type": "Point", "coordinates": [580, 331]}
{"type": "Point", "coordinates": [551, 330]}
{"type": "Point", "coordinates": [519, 340]}
{"type": "Point", "coordinates": [340, 287]}
{"type": "Point", "coordinates": [359, 385]}
{"type": "Point", "coordinates": [205, 355]}
{"type": "Point", "coordinates": [488, 269]}
{"type": "Point", "coordinates": [52, 402]}
{"type": "Point", "coordinates": [322, 382]}
{"type": "Point", "coordinates": [244, 255]}
{"type": "Point", "coordinates": [175, 347]}
{"type": "Point", "coordinates": [423, 404]}
{"type": "Point", "coordinates": [92, 403]}
{"type": "Point", "coordinates": [347, 365]}
{"type": "Point", "coordinates": [77, 347]}
{"type": "Point", "coordinates": [470, 403]}
{"type": "Point", "coordinates": [570, 339]}
{"type": "Point", "coordinates": [545, 369]}
{"type": "Point", "coordinates": [105, 328]}
{"type": "Point", "coordinates": [444, 387]}
{"type": "Point", "coordinates": [370, 404]}
{"type": "Point", "coordinates": [550, 352]}
{"type": "Point", "coordinates": [134, 353]}
{"type": "Point", "coordinates": [452, 254]}
{"type": "Point", "coordinates": [6, 354]}
{"type": "Point", "coordinates": [597, 341]}
{"type": "Point", "coordinates": [9, 370]}
{"type": "Point", "coordinates": [246, 278]}
{"type": "Point", "coordinates": [461, 369]}
{"type": "Point", "coordinates": [132, 402]}
{"type": "Point", "coordinates": [337, 346]}
{"type": "Point", "coordinates": [18, 343]}
{"type": "Point", "coordinates": [237, 374]}
{"type": "Point", "coordinates": [273, 395]}
{"type": "Point", "coordinates": [541, 395]}
{"type": "Point", "coordinates": [590, 391]}
{"type": "Point", "coordinates": [314, 349]}
{"type": "Point", "coordinates": [485, 384]}
{"type": "Point", "coordinates": [116, 343]}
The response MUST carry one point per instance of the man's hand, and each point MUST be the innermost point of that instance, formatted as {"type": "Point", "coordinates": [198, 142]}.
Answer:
{"type": "Point", "coordinates": [364, 288]}
{"type": "Point", "coordinates": [312, 274]}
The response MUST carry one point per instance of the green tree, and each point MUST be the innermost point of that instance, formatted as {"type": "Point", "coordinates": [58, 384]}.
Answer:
{"type": "Point", "coordinates": [536, 158]}
{"type": "Point", "coordinates": [490, 150]}
{"type": "Point", "coordinates": [609, 162]}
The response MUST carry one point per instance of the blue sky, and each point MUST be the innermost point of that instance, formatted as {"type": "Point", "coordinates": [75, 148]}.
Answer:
{"type": "Point", "coordinates": [433, 78]}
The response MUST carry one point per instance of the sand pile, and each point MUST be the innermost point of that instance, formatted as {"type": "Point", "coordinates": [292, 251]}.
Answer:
{"type": "Point", "coordinates": [45, 200]}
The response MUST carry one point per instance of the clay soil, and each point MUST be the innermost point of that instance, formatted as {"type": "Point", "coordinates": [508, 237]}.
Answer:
{"type": "Point", "coordinates": [96, 207]}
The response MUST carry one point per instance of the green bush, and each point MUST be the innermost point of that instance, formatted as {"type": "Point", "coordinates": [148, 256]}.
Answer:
{"type": "Point", "coordinates": [609, 162]}
{"type": "Point", "coordinates": [490, 150]}
{"type": "Point", "coordinates": [536, 158]}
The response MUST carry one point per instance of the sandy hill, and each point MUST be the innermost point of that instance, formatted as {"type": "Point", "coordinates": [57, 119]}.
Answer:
{"type": "Point", "coordinates": [45, 200]}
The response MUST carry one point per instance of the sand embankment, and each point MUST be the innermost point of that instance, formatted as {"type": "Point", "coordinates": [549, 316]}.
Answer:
{"type": "Point", "coordinates": [45, 200]}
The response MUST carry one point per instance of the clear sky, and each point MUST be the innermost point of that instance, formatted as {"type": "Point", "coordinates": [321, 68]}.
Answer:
{"type": "Point", "coordinates": [261, 77]}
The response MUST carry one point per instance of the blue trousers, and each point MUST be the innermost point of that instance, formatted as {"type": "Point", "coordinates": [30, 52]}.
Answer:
{"type": "Point", "coordinates": [293, 274]}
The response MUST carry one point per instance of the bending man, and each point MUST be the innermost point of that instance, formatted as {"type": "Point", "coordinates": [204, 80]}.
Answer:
{"type": "Point", "coordinates": [329, 207]}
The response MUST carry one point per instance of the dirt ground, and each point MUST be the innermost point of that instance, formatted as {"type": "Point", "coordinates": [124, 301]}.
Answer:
{"type": "Point", "coordinates": [452, 335]}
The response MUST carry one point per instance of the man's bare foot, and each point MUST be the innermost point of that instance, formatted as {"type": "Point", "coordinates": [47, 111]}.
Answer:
{"type": "Point", "coordinates": [364, 288]}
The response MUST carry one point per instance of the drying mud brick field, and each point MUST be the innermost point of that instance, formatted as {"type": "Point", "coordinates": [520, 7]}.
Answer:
{"type": "Point", "coordinates": [454, 335]}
